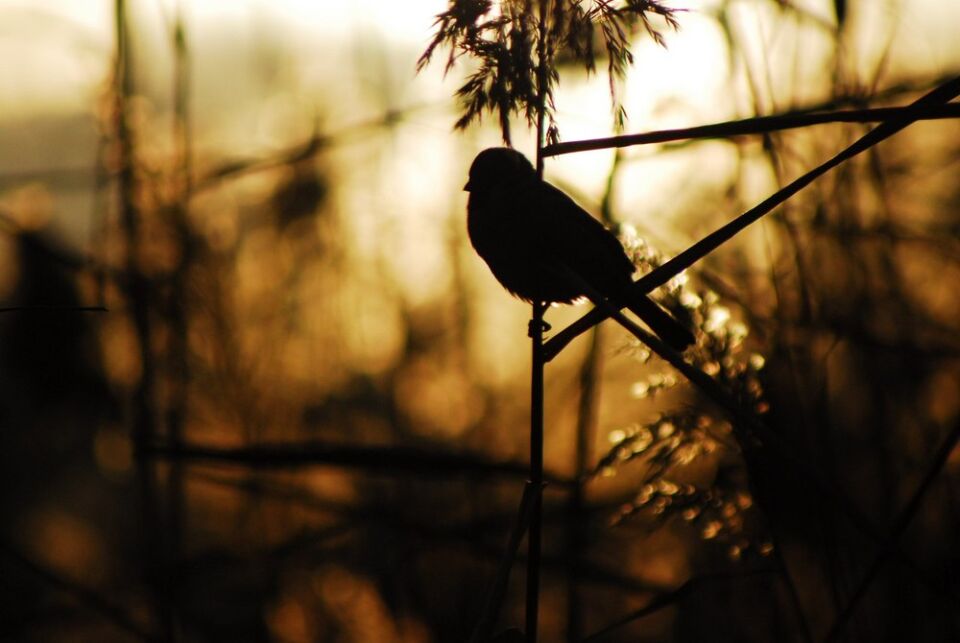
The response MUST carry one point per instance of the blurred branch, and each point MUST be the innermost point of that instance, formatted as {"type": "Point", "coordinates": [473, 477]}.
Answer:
{"type": "Point", "coordinates": [79, 176]}
{"type": "Point", "coordinates": [52, 308]}
{"type": "Point", "coordinates": [758, 125]}
{"type": "Point", "coordinates": [712, 241]}
{"type": "Point", "coordinates": [51, 250]}
{"type": "Point", "coordinates": [576, 526]}
{"type": "Point", "coordinates": [590, 384]}
{"type": "Point", "coordinates": [174, 308]}
{"type": "Point", "coordinates": [303, 151]}
{"type": "Point", "coordinates": [385, 459]}
{"type": "Point", "coordinates": [498, 590]}
{"type": "Point", "coordinates": [85, 597]}
{"type": "Point", "coordinates": [138, 293]}
{"type": "Point", "coordinates": [808, 16]}
{"type": "Point", "coordinates": [673, 597]}
{"type": "Point", "coordinates": [896, 90]}
{"type": "Point", "coordinates": [900, 525]}
{"type": "Point", "coordinates": [433, 531]}
{"type": "Point", "coordinates": [289, 156]}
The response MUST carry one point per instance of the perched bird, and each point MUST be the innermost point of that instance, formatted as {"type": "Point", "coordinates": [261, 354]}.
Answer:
{"type": "Point", "coordinates": [542, 246]}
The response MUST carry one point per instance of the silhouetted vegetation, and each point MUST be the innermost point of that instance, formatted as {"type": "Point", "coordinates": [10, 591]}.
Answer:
{"type": "Point", "coordinates": [256, 385]}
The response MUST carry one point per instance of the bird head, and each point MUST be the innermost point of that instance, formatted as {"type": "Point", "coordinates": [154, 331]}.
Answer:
{"type": "Point", "coordinates": [497, 166]}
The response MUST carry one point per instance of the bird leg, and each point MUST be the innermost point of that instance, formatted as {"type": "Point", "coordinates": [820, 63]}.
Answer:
{"type": "Point", "coordinates": [533, 331]}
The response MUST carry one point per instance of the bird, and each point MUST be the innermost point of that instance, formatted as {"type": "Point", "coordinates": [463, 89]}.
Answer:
{"type": "Point", "coordinates": [543, 247]}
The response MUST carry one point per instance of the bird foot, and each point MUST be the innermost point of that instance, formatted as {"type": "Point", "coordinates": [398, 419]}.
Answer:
{"type": "Point", "coordinates": [533, 331]}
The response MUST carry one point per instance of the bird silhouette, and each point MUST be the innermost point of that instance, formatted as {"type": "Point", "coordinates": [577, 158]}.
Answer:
{"type": "Point", "coordinates": [543, 247]}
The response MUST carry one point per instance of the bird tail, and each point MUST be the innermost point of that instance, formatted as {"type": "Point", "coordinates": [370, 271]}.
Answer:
{"type": "Point", "coordinates": [672, 332]}
{"type": "Point", "coordinates": [660, 322]}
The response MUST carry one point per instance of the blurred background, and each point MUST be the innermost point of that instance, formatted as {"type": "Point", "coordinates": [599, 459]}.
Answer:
{"type": "Point", "coordinates": [256, 386]}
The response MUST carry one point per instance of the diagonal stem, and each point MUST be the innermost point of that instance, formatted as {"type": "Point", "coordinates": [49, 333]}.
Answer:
{"type": "Point", "coordinates": [752, 434]}
{"type": "Point", "coordinates": [899, 526]}
{"type": "Point", "coordinates": [660, 275]}
{"type": "Point", "coordinates": [483, 631]}
{"type": "Point", "coordinates": [672, 598]}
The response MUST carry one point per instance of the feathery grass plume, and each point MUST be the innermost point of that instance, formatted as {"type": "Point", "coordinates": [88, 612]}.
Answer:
{"type": "Point", "coordinates": [670, 446]}
{"type": "Point", "coordinates": [508, 50]}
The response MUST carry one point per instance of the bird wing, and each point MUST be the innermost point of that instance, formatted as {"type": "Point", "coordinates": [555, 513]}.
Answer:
{"type": "Point", "coordinates": [579, 240]}
{"type": "Point", "coordinates": [592, 253]}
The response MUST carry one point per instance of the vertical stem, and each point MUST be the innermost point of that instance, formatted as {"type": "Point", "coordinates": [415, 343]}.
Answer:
{"type": "Point", "coordinates": [536, 367]}
{"type": "Point", "coordinates": [586, 419]}
{"type": "Point", "coordinates": [576, 528]}
{"type": "Point", "coordinates": [176, 309]}
{"type": "Point", "coordinates": [542, 61]}
{"type": "Point", "coordinates": [536, 471]}
{"type": "Point", "coordinates": [136, 289]}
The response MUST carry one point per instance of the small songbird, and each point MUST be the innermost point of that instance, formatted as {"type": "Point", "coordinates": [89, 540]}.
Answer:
{"type": "Point", "coordinates": [542, 246]}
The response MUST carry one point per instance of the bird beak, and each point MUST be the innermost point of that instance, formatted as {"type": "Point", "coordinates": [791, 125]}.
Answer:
{"type": "Point", "coordinates": [466, 188]}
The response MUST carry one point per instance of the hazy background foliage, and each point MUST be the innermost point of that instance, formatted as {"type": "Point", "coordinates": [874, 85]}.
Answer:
{"type": "Point", "coordinates": [303, 417]}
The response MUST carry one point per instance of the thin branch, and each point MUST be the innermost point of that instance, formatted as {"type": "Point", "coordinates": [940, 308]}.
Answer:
{"type": "Point", "coordinates": [663, 273]}
{"type": "Point", "coordinates": [660, 275]}
{"type": "Point", "coordinates": [758, 125]}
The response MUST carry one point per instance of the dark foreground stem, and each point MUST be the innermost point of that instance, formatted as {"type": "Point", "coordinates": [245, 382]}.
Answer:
{"type": "Point", "coordinates": [536, 470]}
{"type": "Point", "coordinates": [388, 460]}
{"type": "Point", "coordinates": [483, 631]}
{"type": "Point", "coordinates": [900, 525]}
{"type": "Point", "coordinates": [537, 362]}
